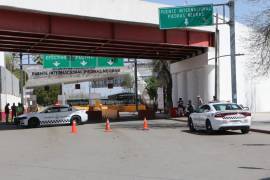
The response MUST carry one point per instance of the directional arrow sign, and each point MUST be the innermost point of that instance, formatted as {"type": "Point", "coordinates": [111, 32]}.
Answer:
{"type": "Point", "coordinates": [59, 61]}
{"type": "Point", "coordinates": [110, 62]}
{"type": "Point", "coordinates": [56, 63]}
{"type": "Point", "coordinates": [186, 16]}
{"type": "Point", "coordinates": [186, 21]}
{"type": "Point", "coordinates": [83, 63]}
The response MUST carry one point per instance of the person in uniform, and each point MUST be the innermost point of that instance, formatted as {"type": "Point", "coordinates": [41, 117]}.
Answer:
{"type": "Point", "coordinates": [13, 111]}
{"type": "Point", "coordinates": [7, 112]}
{"type": "Point", "coordinates": [199, 102]}
{"type": "Point", "coordinates": [190, 108]}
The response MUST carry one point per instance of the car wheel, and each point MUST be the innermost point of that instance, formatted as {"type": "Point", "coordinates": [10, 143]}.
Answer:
{"type": "Point", "coordinates": [77, 119]}
{"type": "Point", "coordinates": [208, 127]}
{"type": "Point", "coordinates": [33, 123]}
{"type": "Point", "coordinates": [191, 125]}
{"type": "Point", "coordinates": [245, 131]}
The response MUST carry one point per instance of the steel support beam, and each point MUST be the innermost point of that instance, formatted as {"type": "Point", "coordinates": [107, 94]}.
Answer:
{"type": "Point", "coordinates": [50, 33]}
{"type": "Point", "coordinates": [232, 41]}
{"type": "Point", "coordinates": [136, 84]}
{"type": "Point", "coordinates": [21, 80]}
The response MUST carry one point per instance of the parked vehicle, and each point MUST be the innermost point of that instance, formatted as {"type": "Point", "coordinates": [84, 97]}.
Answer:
{"type": "Point", "coordinates": [52, 115]}
{"type": "Point", "coordinates": [220, 116]}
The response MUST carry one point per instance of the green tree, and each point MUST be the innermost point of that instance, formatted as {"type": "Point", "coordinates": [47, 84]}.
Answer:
{"type": "Point", "coordinates": [161, 69]}
{"type": "Point", "coordinates": [47, 96]}
{"type": "Point", "coordinates": [260, 38]}
{"type": "Point", "coordinates": [151, 88]}
{"type": "Point", "coordinates": [11, 63]}
{"type": "Point", "coordinates": [128, 82]}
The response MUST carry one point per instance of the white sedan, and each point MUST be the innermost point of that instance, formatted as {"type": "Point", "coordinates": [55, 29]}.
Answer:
{"type": "Point", "coordinates": [220, 116]}
{"type": "Point", "coordinates": [52, 115]}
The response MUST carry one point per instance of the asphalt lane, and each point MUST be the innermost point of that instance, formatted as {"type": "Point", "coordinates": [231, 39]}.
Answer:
{"type": "Point", "coordinates": [166, 152]}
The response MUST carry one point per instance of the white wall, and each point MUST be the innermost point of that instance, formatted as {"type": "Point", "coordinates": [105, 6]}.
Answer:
{"type": "Point", "coordinates": [191, 78]}
{"type": "Point", "coordinates": [9, 86]}
{"type": "Point", "coordinates": [2, 59]}
{"type": "Point", "coordinates": [70, 91]}
{"type": "Point", "coordinates": [251, 92]}
{"type": "Point", "coordinates": [7, 98]}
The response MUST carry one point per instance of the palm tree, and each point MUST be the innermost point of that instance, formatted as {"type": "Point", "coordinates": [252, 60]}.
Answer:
{"type": "Point", "coordinates": [161, 69]}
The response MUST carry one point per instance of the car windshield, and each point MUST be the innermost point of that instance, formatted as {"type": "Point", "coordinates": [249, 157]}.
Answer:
{"type": "Point", "coordinates": [60, 108]}
{"type": "Point", "coordinates": [226, 107]}
{"type": "Point", "coordinates": [45, 110]}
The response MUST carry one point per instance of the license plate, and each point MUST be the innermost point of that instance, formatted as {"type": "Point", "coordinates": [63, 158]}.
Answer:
{"type": "Point", "coordinates": [235, 121]}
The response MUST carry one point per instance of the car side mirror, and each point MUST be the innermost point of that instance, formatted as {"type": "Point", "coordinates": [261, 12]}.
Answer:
{"type": "Point", "coordinates": [246, 108]}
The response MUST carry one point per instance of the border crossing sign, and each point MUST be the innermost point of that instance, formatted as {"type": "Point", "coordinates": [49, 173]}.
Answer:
{"type": "Point", "coordinates": [60, 61]}
{"type": "Point", "coordinates": [186, 16]}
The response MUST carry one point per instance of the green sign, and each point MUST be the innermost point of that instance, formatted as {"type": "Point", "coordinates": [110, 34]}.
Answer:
{"type": "Point", "coordinates": [186, 16]}
{"type": "Point", "coordinates": [59, 62]}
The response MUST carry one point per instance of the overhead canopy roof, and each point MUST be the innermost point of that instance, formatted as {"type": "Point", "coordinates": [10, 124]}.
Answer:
{"type": "Point", "coordinates": [44, 32]}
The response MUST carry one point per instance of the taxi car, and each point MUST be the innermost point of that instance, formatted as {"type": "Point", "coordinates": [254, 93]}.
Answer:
{"type": "Point", "coordinates": [52, 115]}
{"type": "Point", "coordinates": [220, 116]}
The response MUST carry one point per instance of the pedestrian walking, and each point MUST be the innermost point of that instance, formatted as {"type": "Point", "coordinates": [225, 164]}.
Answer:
{"type": "Point", "coordinates": [7, 112]}
{"type": "Point", "coordinates": [13, 111]}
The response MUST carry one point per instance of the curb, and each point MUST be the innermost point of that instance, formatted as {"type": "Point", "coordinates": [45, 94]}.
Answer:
{"type": "Point", "coordinates": [252, 129]}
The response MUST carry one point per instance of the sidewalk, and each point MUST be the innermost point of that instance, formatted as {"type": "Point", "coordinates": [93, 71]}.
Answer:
{"type": "Point", "coordinates": [260, 122]}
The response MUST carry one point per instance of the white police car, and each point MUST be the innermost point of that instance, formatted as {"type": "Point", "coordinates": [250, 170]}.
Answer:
{"type": "Point", "coordinates": [220, 116]}
{"type": "Point", "coordinates": [52, 115]}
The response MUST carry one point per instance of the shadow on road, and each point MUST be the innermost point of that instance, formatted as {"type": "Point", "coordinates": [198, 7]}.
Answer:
{"type": "Point", "coordinates": [215, 133]}
{"type": "Point", "coordinates": [151, 126]}
{"type": "Point", "coordinates": [256, 144]}
{"type": "Point", "coordinates": [7, 127]}
{"type": "Point", "coordinates": [126, 118]}
{"type": "Point", "coordinates": [252, 168]}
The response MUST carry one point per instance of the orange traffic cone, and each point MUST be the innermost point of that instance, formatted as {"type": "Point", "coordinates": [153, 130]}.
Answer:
{"type": "Point", "coordinates": [74, 128]}
{"type": "Point", "coordinates": [108, 127]}
{"type": "Point", "coordinates": [145, 124]}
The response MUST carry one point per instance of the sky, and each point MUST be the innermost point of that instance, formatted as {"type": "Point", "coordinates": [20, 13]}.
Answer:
{"type": "Point", "coordinates": [244, 8]}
